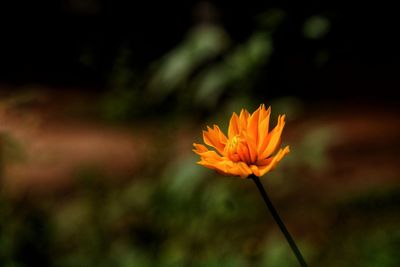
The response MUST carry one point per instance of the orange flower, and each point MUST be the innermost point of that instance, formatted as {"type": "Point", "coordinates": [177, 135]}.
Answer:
{"type": "Point", "coordinates": [249, 147]}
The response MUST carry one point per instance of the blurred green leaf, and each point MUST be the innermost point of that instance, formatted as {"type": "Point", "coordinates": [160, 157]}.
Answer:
{"type": "Point", "coordinates": [316, 27]}
{"type": "Point", "coordinates": [201, 45]}
{"type": "Point", "coordinates": [271, 18]}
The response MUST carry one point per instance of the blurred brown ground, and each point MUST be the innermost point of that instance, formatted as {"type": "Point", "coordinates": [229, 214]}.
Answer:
{"type": "Point", "coordinates": [56, 141]}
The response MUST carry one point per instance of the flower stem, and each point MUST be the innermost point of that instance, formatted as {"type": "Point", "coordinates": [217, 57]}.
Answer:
{"type": "Point", "coordinates": [278, 220]}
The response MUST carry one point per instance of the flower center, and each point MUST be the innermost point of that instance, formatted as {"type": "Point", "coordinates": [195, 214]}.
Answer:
{"type": "Point", "coordinates": [237, 149]}
{"type": "Point", "coordinates": [235, 141]}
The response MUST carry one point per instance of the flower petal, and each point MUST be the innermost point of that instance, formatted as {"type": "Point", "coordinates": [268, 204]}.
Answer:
{"type": "Point", "coordinates": [199, 148]}
{"type": "Point", "coordinates": [267, 168]}
{"type": "Point", "coordinates": [233, 126]}
{"type": "Point", "coordinates": [263, 162]}
{"type": "Point", "coordinates": [255, 170]}
{"type": "Point", "coordinates": [243, 118]}
{"type": "Point", "coordinates": [263, 130]}
{"type": "Point", "coordinates": [243, 170]}
{"type": "Point", "coordinates": [211, 138]}
{"type": "Point", "coordinates": [243, 152]}
{"type": "Point", "coordinates": [252, 127]}
{"type": "Point", "coordinates": [272, 141]}
{"type": "Point", "coordinates": [227, 167]}
{"type": "Point", "coordinates": [251, 144]}
{"type": "Point", "coordinates": [263, 113]}
{"type": "Point", "coordinates": [221, 136]}
{"type": "Point", "coordinates": [239, 169]}
{"type": "Point", "coordinates": [263, 121]}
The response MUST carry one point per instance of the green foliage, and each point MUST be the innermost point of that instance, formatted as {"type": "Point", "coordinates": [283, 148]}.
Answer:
{"type": "Point", "coordinates": [184, 218]}
{"type": "Point", "coordinates": [366, 231]}
{"type": "Point", "coordinates": [316, 27]}
{"type": "Point", "coordinates": [174, 70]}
{"type": "Point", "coordinates": [206, 66]}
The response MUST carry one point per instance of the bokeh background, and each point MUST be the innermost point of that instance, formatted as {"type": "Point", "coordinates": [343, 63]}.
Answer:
{"type": "Point", "coordinates": [100, 102]}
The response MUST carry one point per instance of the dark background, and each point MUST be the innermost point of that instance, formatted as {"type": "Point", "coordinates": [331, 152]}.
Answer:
{"type": "Point", "coordinates": [43, 42]}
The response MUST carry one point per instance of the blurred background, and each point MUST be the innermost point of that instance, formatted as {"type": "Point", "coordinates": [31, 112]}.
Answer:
{"type": "Point", "coordinates": [100, 102]}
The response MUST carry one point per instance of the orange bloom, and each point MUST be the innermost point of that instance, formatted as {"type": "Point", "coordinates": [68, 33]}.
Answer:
{"type": "Point", "coordinates": [249, 148]}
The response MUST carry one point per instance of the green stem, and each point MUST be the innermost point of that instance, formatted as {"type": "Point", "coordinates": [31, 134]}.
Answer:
{"type": "Point", "coordinates": [278, 220]}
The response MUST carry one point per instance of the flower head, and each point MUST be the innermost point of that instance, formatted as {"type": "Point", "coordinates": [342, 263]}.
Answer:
{"type": "Point", "coordinates": [250, 147]}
